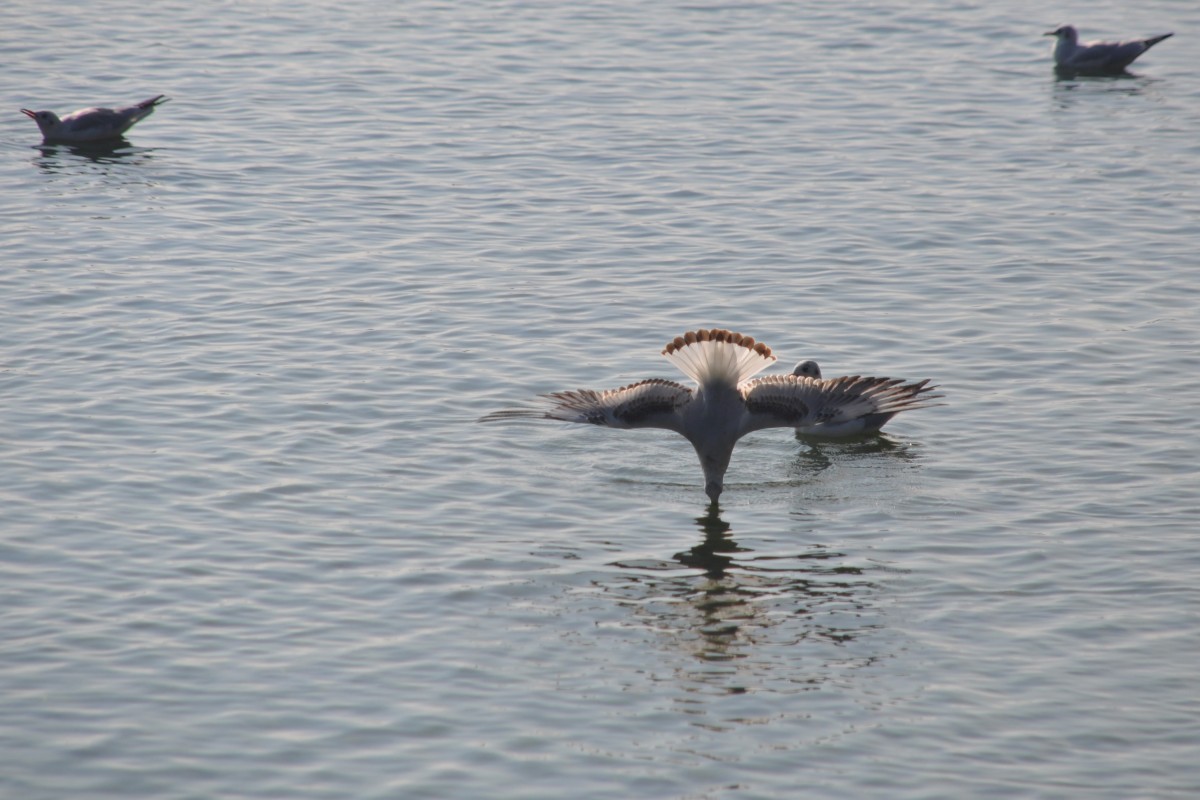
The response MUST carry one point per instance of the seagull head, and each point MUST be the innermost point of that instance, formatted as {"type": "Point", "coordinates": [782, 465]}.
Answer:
{"type": "Point", "coordinates": [46, 120]}
{"type": "Point", "coordinates": [807, 369]}
{"type": "Point", "coordinates": [714, 462]}
{"type": "Point", "coordinates": [1067, 32]}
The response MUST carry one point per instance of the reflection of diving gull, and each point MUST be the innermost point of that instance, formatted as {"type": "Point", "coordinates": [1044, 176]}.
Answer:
{"type": "Point", "coordinates": [841, 426]}
{"type": "Point", "coordinates": [91, 124]}
{"type": "Point", "coordinates": [1096, 58]}
{"type": "Point", "coordinates": [726, 404]}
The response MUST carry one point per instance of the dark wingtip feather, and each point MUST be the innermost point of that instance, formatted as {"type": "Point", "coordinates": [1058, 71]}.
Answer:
{"type": "Point", "coordinates": [513, 413]}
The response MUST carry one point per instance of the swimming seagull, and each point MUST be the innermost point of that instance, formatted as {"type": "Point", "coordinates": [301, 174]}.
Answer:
{"type": "Point", "coordinates": [836, 428]}
{"type": "Point", "coordinates": [1096, 58]}
{"type": "Point", "coordinates": [725, 405]}
{"type": "Point", "coordinates": [90, 125]}
{"type": "Point", "coordinates": [808, 369]}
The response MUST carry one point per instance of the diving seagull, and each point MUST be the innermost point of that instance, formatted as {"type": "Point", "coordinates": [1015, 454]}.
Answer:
{"type": "Point", "coordinates": [1096, 58]}
{"type": "Point", "coordinates": [837, 428]}
{"type": "Point", "coordinates": [91, 125]}
{"type": "Point", "coordinates": [726, 404]}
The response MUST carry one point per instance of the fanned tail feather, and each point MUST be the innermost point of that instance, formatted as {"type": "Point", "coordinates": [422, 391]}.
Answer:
{"type": "Point", "coordinates": [718, 356]}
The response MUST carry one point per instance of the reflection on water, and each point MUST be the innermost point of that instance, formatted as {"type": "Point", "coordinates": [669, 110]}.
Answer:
{"type": "Point", "coordinates": [1063, 75]}
{"type": "Point", "coordinates": [710, 555]}
{"type": "Point", "coordinates": [821, 453]}
{"type": "Point", "coordinates": [65, 157]}
{"type": "Point", "coordinates": [774, 621]}
{"type": "Point", "coordinates": [1069, 88]}
{"type": "Point", "coordinates": [874, 469]}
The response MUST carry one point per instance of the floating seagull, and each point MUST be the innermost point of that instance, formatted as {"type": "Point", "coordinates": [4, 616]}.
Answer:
{"type": "Point", "coordinates": [838, 428]}
{"type": "Point", "coordinates": [1096, 58]}
{"type": "Point", "coordinates": [807, 369]}
{"type": "Point", "coordinates": [726, 404]}
{"type": "Point", "coordinates": [90, 125]}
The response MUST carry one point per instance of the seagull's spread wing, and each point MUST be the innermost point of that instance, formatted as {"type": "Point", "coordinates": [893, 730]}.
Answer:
{"type": "Point", "coordinates": [652, 403]}
{"type": "Point", "coordinates": [790, 401]}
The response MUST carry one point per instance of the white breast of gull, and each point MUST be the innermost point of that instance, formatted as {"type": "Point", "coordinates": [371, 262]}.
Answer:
{"type": "Point", "coordinates": [725, 404]}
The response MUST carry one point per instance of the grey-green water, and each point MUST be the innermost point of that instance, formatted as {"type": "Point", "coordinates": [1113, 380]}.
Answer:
{"type": "Point", "coordinates": [254, 543]}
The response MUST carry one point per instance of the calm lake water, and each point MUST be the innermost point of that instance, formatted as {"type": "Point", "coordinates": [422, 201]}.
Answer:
{"type": "Point", "coordinates": [255, 544]}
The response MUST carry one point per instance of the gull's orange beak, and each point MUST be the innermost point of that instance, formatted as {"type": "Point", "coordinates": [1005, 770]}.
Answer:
{"type": "Point", "coordinates": [28, 113]}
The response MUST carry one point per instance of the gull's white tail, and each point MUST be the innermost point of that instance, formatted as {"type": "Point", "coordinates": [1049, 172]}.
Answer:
{"type": "Point", "coordinates": [718, 356]}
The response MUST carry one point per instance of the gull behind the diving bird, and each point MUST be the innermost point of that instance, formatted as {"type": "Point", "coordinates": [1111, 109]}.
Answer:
{"type": "Point", "coordinates": [838, 428]}
{"type": "Point", "coordinates": [1096, 58]}
{"type": "Point", "coordinates": [92, 125]}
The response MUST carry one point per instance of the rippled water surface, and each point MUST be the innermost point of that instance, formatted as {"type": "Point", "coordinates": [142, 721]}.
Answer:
{"type": "Point", "coordinates": [255, 544]}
